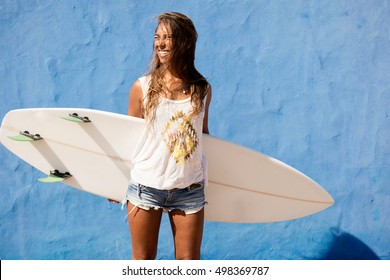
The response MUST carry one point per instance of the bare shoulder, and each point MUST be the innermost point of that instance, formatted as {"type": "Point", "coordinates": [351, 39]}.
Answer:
{"type": "Point", "coordinates": [135, 100]}
{"type": "Point", "coordinates": [136, 89]}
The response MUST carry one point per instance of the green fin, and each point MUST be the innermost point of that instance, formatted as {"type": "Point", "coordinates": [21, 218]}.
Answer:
{"type": "Point", "coordinates": [21, 138]}
{"type": "Point", "coordinates": [25, 136]}
{"type": "Point", "coordinates": [72, 119]}
{"type": "Point", "coordinates": [51, 179]}
{"type": "Point", "coordinates": [55, 177]}
{"type": "Point", "coordinates": [76, 118]}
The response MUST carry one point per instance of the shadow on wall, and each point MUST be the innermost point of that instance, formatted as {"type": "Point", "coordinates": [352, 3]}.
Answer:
{"type": "Point", "coordinates": [347, 247]}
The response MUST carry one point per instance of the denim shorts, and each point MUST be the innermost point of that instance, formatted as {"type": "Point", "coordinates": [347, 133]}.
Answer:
{"type": "Point", "coordinates": [190, 199]}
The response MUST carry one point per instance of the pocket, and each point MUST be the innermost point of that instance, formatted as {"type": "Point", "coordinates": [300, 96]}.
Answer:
{"type": "Point", "coordinates": [196, 187]}
{"type": "Point", "coordinates": [132, 191]}
{"type": "Point", "coordinates": [136, 189]}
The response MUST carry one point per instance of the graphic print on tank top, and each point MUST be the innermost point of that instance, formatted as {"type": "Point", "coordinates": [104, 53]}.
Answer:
{"type": "Point", "coordinates": [180, 136]}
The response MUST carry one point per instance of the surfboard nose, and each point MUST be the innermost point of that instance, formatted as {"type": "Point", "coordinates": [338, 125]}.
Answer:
{"type": "Point", "coordinates": [330, 199]}
{"type": "Point", "coordinates": [320, 194]}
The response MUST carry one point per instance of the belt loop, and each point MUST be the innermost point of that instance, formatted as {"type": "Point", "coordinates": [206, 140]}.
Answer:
{"type": "Point", "coordinates": [139, 190]}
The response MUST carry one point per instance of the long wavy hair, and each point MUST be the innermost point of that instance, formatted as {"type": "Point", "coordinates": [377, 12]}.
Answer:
{"type": "Point", "coordinates": [182, 59]}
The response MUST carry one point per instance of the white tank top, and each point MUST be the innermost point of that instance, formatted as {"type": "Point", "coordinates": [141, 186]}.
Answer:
{"type": "Point", "coordinates": [170, 152]}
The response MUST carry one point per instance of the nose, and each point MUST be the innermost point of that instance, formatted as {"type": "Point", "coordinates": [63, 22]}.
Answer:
{"type": "Point", "coordinates": [160, 43]}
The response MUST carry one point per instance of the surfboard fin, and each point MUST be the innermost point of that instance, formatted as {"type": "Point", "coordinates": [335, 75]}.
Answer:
{"type": "Point", "coordinates": [76, 118]}
{"type": "Point", "coordinates": [55, 177]}
{"type": "Point", "coordinates": [25, 136]}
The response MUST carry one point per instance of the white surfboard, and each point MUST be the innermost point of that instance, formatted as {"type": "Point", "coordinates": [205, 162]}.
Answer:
{"type": "Point", "coordinates": [92, 152]}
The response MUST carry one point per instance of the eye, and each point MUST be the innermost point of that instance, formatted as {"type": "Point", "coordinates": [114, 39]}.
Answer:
{"type": "Point", "coordinates": [167, 37]}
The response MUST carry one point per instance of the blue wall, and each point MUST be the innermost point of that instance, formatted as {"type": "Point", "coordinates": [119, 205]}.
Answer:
{"type": "Point", "coordinates": [306, 82]}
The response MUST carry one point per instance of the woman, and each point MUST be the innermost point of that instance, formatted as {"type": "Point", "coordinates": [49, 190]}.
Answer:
{"type": "Point", "coordinates": [169, 171]}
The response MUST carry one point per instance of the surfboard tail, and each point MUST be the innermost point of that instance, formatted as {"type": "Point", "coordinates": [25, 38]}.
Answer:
{"type": "Point", "coordinates": [246, 186]}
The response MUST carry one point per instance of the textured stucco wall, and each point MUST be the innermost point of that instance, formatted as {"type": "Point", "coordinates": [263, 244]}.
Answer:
{"type": "Point", "coordinates": [306, 82]}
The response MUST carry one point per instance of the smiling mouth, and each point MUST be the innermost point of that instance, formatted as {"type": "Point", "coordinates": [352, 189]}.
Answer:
{"type": "Point", "coordinates": [163, 53]}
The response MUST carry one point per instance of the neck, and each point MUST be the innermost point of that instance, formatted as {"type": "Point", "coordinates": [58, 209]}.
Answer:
{"type": "Point", "coordinates": [173, 86]}
{"type": "Point", "coordinates": [167, 73]}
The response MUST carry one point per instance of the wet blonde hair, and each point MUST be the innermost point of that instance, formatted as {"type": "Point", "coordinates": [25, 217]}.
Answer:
{"type": "Point", "coordinates": [182, 59]}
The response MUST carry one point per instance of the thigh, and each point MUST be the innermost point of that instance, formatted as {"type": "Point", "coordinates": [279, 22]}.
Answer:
{"type": "Point", "coordinates": [144, 229]}
{"type": "Point", "coordinates": [187, 233]}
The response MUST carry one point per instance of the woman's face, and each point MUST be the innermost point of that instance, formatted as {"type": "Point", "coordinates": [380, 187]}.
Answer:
{"type": "Point", "coordinates": [163, 42]}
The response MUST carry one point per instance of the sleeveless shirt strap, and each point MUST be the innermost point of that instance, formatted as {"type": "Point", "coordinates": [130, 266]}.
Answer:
{"type": "Point", "coordinates": [145, 83]}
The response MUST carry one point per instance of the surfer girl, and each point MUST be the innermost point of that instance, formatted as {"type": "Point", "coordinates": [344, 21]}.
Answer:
{"type": "Point", "coordinates": [169, 168]}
